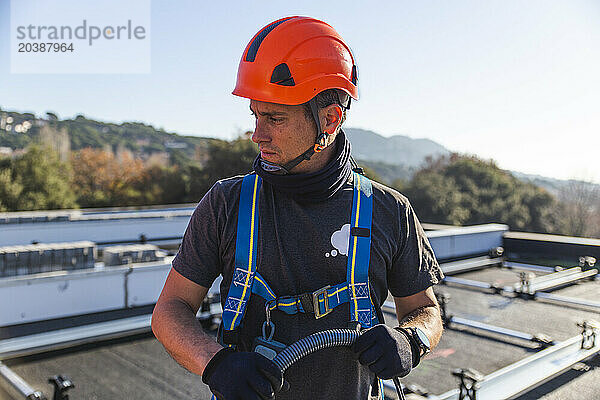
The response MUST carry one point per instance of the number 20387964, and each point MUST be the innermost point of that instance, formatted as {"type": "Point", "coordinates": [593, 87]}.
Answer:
{"type": "Point", "coordinates": [36, 47]}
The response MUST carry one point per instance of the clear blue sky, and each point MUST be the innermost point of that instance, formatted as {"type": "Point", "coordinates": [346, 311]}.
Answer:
{"type": "Point", "coordinates": [515, 81]}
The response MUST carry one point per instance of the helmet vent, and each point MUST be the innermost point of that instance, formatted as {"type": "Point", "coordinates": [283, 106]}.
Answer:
{"type": "Point", "coordinates": [253, 49]}
{"type": "Point", "coordinates": [354, 74]}
{"type": "Point", "coordinates": [282, 75]}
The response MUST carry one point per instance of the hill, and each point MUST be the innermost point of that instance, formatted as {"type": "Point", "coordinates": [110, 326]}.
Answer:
{"type": "Point", "coordinates": [394, 150]}
{"type": "Point", "coordinates": [552, 185]}
{"type": "Point", "coordinates": [392, 158]}
{"type": "Point", "coordinates": [388, 173]}
{"type": "Point", "coordinates": [18, 130]}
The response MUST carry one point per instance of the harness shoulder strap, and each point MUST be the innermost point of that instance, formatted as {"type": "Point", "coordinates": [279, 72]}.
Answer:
{"type": "Point", "coordinates": [359, 252]}
{"type": "Point", "coordinates": [245, 258]}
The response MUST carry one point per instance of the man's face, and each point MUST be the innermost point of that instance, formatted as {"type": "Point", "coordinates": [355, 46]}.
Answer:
{"type": "Point", "coordinates": [282, 132]}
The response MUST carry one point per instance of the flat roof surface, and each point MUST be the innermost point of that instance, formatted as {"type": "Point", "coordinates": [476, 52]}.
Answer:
{"type": "Point", "coordinates": [488, 352]}
{"type": "Point", "coordinates": [139, 368]}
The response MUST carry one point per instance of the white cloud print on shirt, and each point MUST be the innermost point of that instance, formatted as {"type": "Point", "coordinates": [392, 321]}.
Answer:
{"type": "Point", "coordinates": [340, 240]}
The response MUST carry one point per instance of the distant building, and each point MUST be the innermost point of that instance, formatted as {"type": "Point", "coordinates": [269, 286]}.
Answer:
{"type": "Point", "coordinates": [9, 124]}
{"type": "Point", "coordinates": [176, 145]}
{"type": "Point", "coordinates": [6, 152]}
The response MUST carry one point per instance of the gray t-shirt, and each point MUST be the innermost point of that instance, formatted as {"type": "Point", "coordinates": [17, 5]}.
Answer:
{"type": "Point", "coordinates": [302, 248]}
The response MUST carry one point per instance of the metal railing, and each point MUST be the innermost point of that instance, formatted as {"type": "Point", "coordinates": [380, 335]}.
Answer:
{"type": "Point", "coordinates": [16, 386]}
{"type": "Point", "coordinates": [470, 264]}
{"type": "Point", "coordinates": [523, 375]}
{"type": "Point", "coordinates": [92, 333]}
{"type": "Point", "coordinates": [528, 373]}
{"type": "Point", "coordinates": [451, 321]}
{"type": "Point", "coordinates": [531, 287]}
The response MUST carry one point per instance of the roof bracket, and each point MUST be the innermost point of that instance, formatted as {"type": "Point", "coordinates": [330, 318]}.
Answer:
{"type": "Point", "coordinates": [442, 299]}
{"type": "Point", "coordinates": [469, 383]}
{"type": "Point", "coordinates": [61, 384]}
{"type": "Point", "coordinates": [589, 331]}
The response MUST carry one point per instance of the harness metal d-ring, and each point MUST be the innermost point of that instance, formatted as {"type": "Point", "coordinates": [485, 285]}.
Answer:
{"type": "Point", "coordinates": [268, 322]}
{"type": "Point", "coordinates": [268, 305]}
{"type": "Point", "coordinates": [264, 330]}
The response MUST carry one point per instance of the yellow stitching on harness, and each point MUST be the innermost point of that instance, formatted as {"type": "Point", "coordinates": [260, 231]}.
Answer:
{"type": "Point", "coordinates": [284, 305]}
{"type": "Point", "coordinates": [266, 287]}
{"type": "Point", "coordinates": [287, 304]}
{"type": "Point", "coordinates": [250, 252]}
{"type": "Point", "coordinates": [338, 291]}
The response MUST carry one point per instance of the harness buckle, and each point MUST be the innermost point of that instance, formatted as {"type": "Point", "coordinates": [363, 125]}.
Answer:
{"type": "Point", "coordinates": [315, 298]}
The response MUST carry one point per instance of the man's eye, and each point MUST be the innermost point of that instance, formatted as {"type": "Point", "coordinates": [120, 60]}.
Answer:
{"type": "Point", "coordinates": [276, 120]}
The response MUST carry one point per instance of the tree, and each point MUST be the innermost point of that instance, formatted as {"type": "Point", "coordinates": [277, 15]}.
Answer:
{"type": "Point", "coordinates": [160, 185]}
{"type": "Point", "coordinates": [101, 179]}
{"type": "Point", "coordinates": [542, 210]}
{"type": "Point", "coordinates": [51, 116]}
{"type": "Point", "coordinates": [38, 180]}
{"type": "Point", "coordinates": [226, 159]}
{"type": "Point", "coordinates": [580, 208]}
{"type": "Point", "coordinates": [196, 184]}
{"type": "Point", "coordinates": [9, 190]}
{"type": "Point", "coordinates": [370, 172]}
{"type": "Point", "coordinates": [437, 199]}
{"type": "Point", "coordinates": [463, 190]}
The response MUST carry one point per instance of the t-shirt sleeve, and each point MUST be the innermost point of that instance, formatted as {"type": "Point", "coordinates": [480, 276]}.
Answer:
{"type": "Point", "coordinates": [198, 256]}
{"type": "Point", "coordinates": [414, 266]}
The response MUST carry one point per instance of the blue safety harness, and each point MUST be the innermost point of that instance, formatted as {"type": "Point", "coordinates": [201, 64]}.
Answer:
{"type": "Point", "coordinates": [247, 280]}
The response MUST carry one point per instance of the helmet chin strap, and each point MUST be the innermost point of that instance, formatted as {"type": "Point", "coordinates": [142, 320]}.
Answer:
{"type": "Point", "coordinates": [320, 144]}
{"type": "Point", "coordinates": [286, 168]}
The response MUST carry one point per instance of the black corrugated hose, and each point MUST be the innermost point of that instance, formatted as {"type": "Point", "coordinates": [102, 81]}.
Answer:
{"type": "Point", "coordinates": [318, 341]}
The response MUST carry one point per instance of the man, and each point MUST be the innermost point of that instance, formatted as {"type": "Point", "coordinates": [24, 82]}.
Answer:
{"type": "Point", "coordinates": [304, 244]}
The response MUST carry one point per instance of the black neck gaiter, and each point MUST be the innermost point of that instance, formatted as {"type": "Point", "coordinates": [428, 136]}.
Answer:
{"type": "Point", "coordinates": [315, 186]}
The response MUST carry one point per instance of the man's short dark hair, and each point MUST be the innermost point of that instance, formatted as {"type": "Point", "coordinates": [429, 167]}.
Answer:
{"type": "Point", "coordinates": [326, 98]}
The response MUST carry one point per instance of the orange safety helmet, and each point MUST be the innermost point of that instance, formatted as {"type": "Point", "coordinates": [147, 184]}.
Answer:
{"type": "Point", "coordinates": [292, 60]}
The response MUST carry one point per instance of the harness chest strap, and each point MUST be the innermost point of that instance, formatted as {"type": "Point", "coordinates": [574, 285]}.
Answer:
{"type": "Point", "coordinates": [247, 280]}
{"type": "Point", "coordinates": [320, 302]}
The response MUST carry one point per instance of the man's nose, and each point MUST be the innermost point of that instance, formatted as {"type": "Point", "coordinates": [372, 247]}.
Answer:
{"type": "Point", "coordinates": [261, 133]}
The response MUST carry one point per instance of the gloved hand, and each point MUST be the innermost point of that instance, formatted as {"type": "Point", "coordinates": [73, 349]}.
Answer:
{"type": "Point", "coordinates": [386, 351]}
{"type": "Point", "coordinates": [235, 375]}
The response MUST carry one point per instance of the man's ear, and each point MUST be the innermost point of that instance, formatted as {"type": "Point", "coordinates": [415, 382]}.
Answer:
{"type": "Point", "coordinates": [331, 118]}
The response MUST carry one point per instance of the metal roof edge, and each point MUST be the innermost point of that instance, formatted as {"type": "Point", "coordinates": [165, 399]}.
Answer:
{"type": "Point", "coordinates": [468, 230]}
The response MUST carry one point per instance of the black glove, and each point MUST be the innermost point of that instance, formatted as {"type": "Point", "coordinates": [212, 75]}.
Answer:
{"type": "Point", "coordinates": [235, 375]}
{"type": "Point", "coordinates": [385, 350]}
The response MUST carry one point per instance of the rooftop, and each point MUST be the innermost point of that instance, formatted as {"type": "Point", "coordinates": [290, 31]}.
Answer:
{"type": "Point", "coordinates": [482, 289]}
{"type": "Point", "coordinates": [138, 367]}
